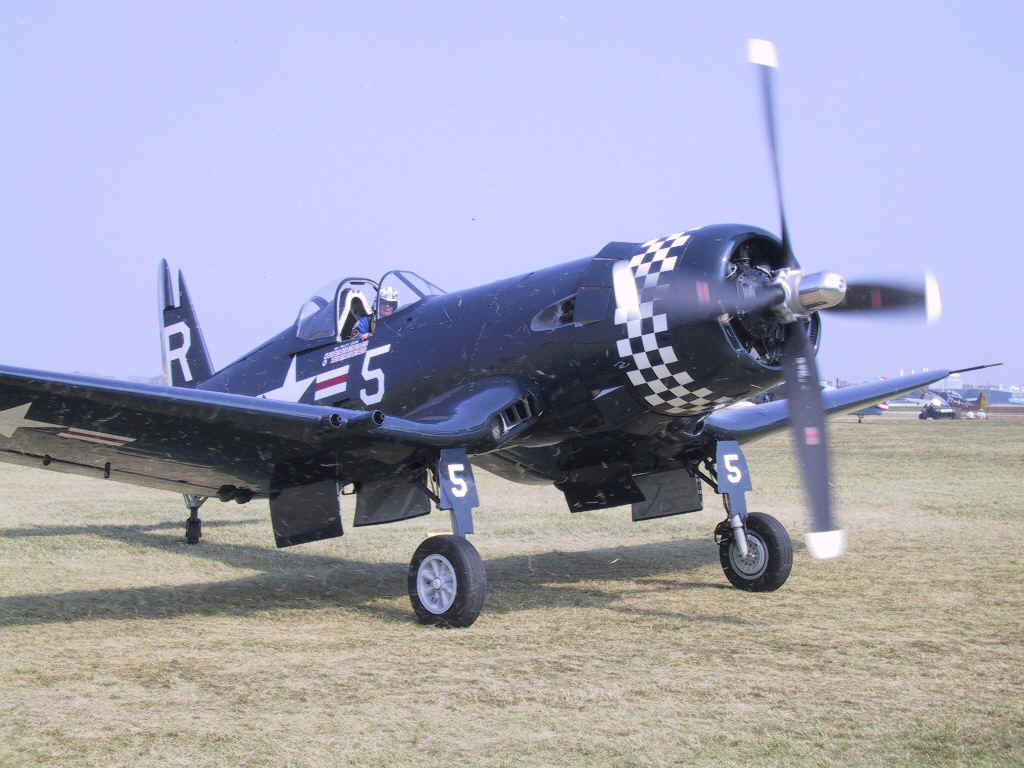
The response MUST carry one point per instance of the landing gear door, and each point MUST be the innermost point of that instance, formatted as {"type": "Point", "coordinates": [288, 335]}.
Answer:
{"type": "Point", "coordinates": [733, 475]}
{"type": "Point", "coordinates": [457, 489]}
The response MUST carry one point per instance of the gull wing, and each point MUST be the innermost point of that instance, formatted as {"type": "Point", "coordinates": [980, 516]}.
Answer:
{"type": "Point", "coordinates": [201, 442]}
{"type": "Point", "coordinates": [745, 424]}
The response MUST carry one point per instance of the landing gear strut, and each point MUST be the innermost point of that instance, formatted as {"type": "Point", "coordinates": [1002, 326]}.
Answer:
{"type": "Point", "coordinates": [447, 580]}
{"type": "Point", "coordinates": [193, 525]}
{"type": "Point", "coordinates": [754, 549]}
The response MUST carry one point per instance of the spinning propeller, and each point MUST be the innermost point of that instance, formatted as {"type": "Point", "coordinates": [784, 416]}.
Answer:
{"type": "Point", "coordinates": [791, 295]}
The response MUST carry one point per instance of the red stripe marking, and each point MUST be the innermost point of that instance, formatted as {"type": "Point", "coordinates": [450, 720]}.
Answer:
{"type": "Point", "coordinates": [703, 292]}
{"type": "Point", "coordinates": [331, 382]}
{"type": "Point", "coordinates": [876, 298]}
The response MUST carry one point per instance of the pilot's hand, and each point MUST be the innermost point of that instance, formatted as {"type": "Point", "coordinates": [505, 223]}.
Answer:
{"type": "Point", "coordinates": [365, 336]}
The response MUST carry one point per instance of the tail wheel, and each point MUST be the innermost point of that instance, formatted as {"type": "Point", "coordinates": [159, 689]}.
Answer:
{"type": "Point", "coordinates": [769, 557]}
{"type": "Point", "coordinates": [447, 582]}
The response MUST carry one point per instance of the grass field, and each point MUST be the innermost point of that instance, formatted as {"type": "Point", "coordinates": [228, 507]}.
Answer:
{"type": "Point", "coordinates": [602, 642]}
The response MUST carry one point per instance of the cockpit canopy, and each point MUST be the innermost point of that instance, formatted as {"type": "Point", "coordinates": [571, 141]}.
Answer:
{"type": "Point", "coordinates": [332, 313]}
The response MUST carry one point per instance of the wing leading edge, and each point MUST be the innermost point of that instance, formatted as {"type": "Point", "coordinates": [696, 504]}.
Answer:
{"type": "Point", "coordinates": [186, 440]}
{"type": "Point", "coordinates": [745, 424]}
{"type": "Point", "coordinates": [197, 441]}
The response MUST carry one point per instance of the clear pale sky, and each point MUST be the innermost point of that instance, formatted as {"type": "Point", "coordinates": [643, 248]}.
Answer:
{"type": "Point", "coordinates": [266, 148]}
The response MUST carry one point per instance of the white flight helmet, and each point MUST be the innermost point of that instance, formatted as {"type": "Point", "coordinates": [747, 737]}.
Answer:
{"type": "Point", "coordinates": [389, 295]}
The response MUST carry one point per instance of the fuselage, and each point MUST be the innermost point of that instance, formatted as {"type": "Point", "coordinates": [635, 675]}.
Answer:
{"type": "Point", "coordinates": [598, 356]}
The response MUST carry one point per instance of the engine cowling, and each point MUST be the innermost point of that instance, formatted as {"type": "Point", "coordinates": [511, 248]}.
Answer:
{"type": "Point", "coordinates": [680, 355]}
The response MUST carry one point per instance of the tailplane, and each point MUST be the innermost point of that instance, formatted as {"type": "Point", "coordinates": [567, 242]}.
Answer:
{"type": "Point", "coordinates": [186, 360]}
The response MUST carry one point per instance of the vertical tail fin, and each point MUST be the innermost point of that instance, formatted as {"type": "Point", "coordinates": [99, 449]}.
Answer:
{"type": "Point", "coordinates": [185, 358]}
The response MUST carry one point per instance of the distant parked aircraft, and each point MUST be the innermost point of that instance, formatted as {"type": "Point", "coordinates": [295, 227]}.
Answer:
{"type": "Point", "coordinates": [873, 410]}
{"type": "Point", "coordinates": [953, 405]}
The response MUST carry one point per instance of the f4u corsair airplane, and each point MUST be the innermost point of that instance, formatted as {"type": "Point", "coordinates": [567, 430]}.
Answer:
{"type": "Point", "coordinates": [607, 376]}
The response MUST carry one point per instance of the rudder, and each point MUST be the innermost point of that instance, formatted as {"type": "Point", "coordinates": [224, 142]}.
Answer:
{"type": "Point", "coordinates": [181, 340]}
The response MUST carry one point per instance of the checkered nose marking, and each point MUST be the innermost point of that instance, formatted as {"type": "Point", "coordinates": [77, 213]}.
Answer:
{"type": "Point", "coordinates": [654, 365]}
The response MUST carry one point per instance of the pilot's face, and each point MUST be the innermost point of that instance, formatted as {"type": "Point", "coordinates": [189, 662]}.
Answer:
{"type": "Point", "coordinates": [386, 308]}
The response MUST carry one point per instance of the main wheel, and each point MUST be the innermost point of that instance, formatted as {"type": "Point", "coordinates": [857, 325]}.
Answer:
{"type": "Point", "coordinates": [447, 581]}
{"type": "Point", "coordinates": [769, 557]}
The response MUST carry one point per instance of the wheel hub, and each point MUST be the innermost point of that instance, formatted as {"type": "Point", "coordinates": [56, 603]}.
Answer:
{"type": "Point", "coordinates": [754, 562]}
{"type": "Point", "coordinates": [436, 583]}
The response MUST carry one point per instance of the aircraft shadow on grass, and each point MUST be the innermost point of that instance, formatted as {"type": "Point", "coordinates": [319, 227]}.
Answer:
{"type": "Point", "coordinates": [297, 581]}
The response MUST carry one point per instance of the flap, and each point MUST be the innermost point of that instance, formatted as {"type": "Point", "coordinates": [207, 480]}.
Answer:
{"type": "Point", "coordinates": [306, 513]}
{"type": "Point", "coordinates": [600, 487]}
{"type": "Point", "coordinates": [667, 493]}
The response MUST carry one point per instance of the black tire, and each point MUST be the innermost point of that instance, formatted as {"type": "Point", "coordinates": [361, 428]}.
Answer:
{"type": "Point", "coordinates": [456, 595]}
{"type": "Point", "coordinates": [770, 556]}
{"type": "Point", "coordinates": [193, 530]}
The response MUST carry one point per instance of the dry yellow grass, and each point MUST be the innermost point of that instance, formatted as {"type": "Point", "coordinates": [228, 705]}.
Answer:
{"type": "Point", "coordinates": [602, 642]}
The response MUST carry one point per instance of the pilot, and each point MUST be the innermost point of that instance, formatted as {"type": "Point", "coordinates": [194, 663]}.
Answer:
{"type": "Point", "coordinates": [388, 305]}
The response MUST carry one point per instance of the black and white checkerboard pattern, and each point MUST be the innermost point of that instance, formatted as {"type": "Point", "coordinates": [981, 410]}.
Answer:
{"type": "Point", "coordinates": [656, 369]}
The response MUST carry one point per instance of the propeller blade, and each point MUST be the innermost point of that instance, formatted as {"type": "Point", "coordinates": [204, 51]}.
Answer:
{"type": "Point", "coordinates": [863, 296]}
{"type": "Point", "coordinates": [762, 54]}
{"type": "Point", "coordinates": [807, 418]}
{"type": "Point", "coordinates": [703, 301]}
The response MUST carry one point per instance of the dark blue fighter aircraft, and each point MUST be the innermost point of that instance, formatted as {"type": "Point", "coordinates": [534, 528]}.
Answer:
{"type": "Point", "coordinates": [609, 377]}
